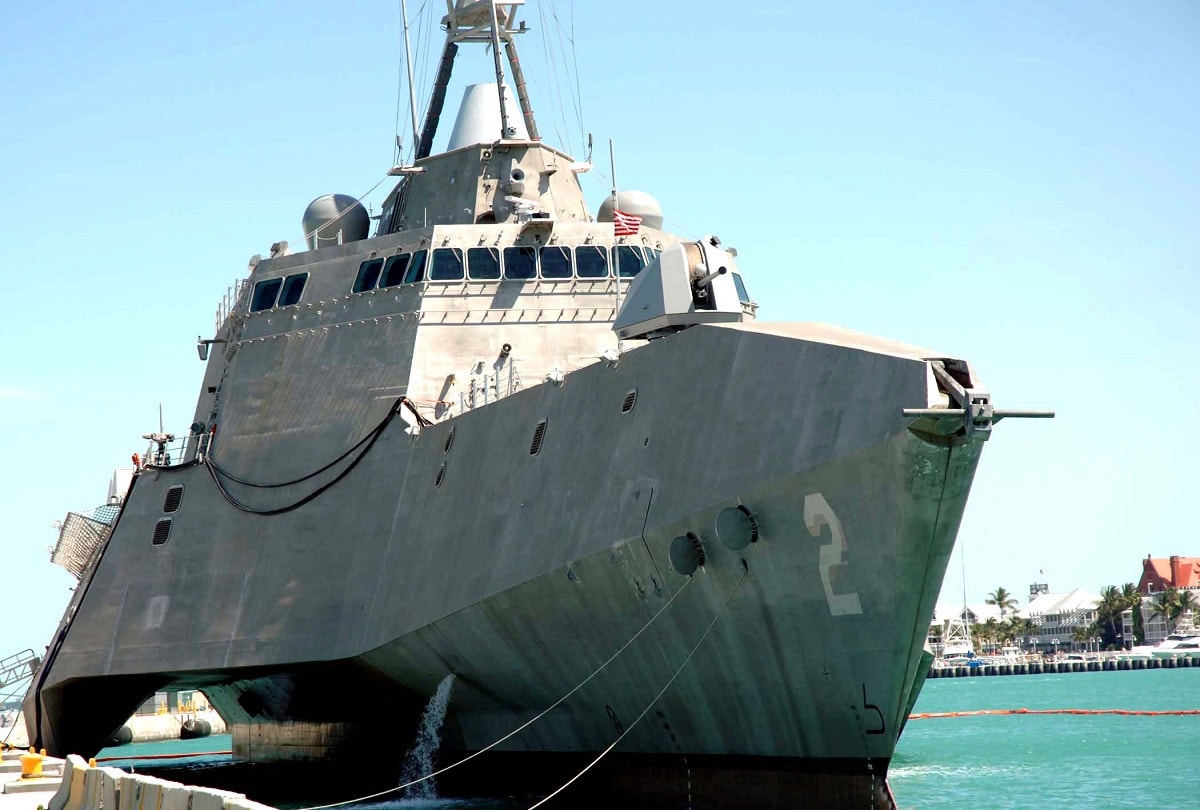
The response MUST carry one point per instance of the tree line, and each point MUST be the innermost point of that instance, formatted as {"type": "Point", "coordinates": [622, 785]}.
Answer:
{"type": "Point", "coordinates": [1108, 626]}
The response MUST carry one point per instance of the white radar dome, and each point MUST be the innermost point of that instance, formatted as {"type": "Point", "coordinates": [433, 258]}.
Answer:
{"type": "Point", "coordinates": [335, 219]}
{"type": "Point", "coordinates": [633, 202]}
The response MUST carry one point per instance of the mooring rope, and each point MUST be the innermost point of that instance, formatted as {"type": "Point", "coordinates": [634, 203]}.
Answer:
{"type": "Point", "coordinates": [650, 705]}
{"type": "Point", "coordinates": [527, 723]}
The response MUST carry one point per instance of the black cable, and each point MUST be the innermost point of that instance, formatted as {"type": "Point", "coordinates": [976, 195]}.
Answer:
{"type": "Point", "coordinates": [226, 474]}
{"type": "Point", "coordinates": [374, 431]}
{"type": "Point", "coordinates": [215, 473]}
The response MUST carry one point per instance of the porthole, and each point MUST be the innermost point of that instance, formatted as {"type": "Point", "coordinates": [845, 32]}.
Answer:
{"type": "Point", "coordinates": [174, 497]}
{"type": "Point", "coordinates": [736, 527]}
{"type": "Point", "coordinates": [449, 441]}
{"type": "Point", "coordinates": [441, 475]}
{"type": "Point", "coordinates": [686, 554]}
{"type": "Point", "coordinates": [630, 401]}
{"type": "Point", "coordinates": [539, 433]}
{"type": "Point", "coordinates": [162, 531]}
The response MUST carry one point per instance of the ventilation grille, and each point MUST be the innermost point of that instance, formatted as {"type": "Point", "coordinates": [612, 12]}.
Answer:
{"type": "Point", "coordinates": [630, 401]}
{"type": "Point", "coordinates": [174, 497]}
{"type": "Point", "coordinates": [449, 441]}
{"type": "Point", "coordinates": [441, 474]}
{"type": "Point", "coordinates": [539, 433]}
{"type": "Point", "coordinates": [162, 531]}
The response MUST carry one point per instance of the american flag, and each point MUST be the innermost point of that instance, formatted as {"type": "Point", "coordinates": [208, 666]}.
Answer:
{"type": "Point", "coordinates": [625, 224]}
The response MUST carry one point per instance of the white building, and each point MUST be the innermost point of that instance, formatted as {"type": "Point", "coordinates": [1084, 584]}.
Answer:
{"type": "Point", "coordinates": [1057, 617]}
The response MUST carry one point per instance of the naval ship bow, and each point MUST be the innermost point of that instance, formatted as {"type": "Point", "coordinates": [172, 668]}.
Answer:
{"type": "Point", "coordinates": [494, 440]}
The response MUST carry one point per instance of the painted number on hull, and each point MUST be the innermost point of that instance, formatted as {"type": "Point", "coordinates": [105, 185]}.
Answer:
{"type": "Point", "coordinates": [818, 513]}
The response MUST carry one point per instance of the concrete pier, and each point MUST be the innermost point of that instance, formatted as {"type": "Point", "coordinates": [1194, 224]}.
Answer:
{"type": "Point", "coordinates": [73, 784]}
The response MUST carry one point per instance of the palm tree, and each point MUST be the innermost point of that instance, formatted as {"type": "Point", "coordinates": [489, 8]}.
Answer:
{"type": "Point", "coordinates": [1003, 600]}
{"type": "Point", "coordinates": [1185, 602]}
{"type": "Point", "coordinates": [1108, 615]}
{"type": "Point", "coordinates": [1133, 602]}
{"type": "Point", "coordinates": [1164, 605]}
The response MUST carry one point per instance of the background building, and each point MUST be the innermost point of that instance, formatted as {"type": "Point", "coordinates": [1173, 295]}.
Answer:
{"type": "Point", "coordinates": [1061, 621]}
{"type": "Point", "coordinates": [1161, 573]}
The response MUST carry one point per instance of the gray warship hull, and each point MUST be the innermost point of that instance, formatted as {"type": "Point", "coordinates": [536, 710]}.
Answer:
{"type": "Point", "coordinates": [323, 630]}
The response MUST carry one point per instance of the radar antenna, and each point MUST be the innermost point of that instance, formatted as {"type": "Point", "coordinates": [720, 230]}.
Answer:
{"type": "Point", "coordinates": [487, 22]}
{"type": "Point", "coordinates": [162, 439]}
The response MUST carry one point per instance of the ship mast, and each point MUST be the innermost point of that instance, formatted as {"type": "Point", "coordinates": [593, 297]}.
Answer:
{"type": "Point", "coordinates": [482, 21]}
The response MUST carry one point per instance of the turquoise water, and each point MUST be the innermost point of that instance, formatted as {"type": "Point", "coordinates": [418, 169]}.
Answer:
{"type": "Point", "coordinates": [1022, 761]}
{"type": "Point", "coordinates": [199, 747]}
{"type": "Point", "coordinates": [999, 761]}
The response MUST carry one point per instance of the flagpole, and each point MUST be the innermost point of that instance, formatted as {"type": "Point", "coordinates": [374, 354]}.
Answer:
{"type": "Point", "coordinates": [616, 254]}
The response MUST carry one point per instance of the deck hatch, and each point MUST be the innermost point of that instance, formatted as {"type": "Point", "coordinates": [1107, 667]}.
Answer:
{"type": "Point", "coordinates": [162, 531]}
{"type": "Point", "coordinates": [539, 433]}
{"type": "Point", "coordinates": [173, 499]}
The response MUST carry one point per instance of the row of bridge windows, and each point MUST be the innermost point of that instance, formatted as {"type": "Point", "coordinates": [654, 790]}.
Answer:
{"type": "Point", "coordinates": [518, 262]}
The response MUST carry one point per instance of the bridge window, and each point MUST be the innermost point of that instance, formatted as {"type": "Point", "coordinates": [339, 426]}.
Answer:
{"type": "Point", "coordinates": [416, 268]}
{"type": "Point", "coordinates": [591, 261]}
{"type": "Point", "coordinates": [630, 260]}
{"type": "Point", "coordinates": [447, 265]}
{"type": "Point", "coordinates": [265, 293]}
{"type": "Point", "coordinates": [293, 288]}
{"type": "Point", "coordinates": [393, 271]}
{"type": "Point", "coordinates": [520, 262]}
{"type": "Point", "coordinates": [368, 274]}
{"type": "Point", "coordinates": [483, 263]}
{"type": "Point", "coordinates": [556, 262]}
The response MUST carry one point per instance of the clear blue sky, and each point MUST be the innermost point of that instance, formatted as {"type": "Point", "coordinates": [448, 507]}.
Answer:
{"type": "Point", "coordinates": [1015, 183]}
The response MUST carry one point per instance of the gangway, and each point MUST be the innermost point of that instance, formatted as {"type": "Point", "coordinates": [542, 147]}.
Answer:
{"type": "Point", "coordinates": [18, 667]}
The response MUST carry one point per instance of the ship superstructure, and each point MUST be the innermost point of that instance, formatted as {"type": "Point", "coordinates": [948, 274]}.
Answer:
{"type": "Point", "coordinates": [494, 440]}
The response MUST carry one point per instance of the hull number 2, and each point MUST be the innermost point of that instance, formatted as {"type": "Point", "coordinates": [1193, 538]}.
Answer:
{"type": "Point", "coordinates": [817, 515]}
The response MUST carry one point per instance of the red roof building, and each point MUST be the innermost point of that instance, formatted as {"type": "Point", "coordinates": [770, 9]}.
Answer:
{"type": "Point", "coordinates": [1160, 573]}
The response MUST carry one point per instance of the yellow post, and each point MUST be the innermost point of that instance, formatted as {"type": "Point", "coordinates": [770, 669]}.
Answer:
{"type": "Point", "coordinates": [31, 766]}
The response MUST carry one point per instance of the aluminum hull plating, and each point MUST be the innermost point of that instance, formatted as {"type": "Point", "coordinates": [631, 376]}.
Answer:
{"type": "Point", "coordinates": [521, 573]}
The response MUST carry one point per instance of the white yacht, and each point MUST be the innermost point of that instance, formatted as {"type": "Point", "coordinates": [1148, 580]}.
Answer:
{"type": "Point", "coordinates": [1183, 643]}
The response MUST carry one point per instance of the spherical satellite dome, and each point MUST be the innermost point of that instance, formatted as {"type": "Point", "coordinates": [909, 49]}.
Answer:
{"type": "Point", "coordinates": [633, 202]}
{"type": "Point", "coordinates": [335, 219]}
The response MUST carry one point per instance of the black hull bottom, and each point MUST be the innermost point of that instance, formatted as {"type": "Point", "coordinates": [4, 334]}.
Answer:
{"type": "Point", "coordinates": [664, 781]}
{"type": "Point", "coordinates": [640, 782]}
